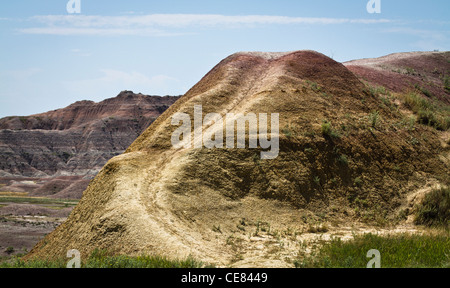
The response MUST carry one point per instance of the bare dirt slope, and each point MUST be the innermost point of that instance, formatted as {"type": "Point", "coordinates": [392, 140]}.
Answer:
{"type": "Point", "coordinates": [230, 207]}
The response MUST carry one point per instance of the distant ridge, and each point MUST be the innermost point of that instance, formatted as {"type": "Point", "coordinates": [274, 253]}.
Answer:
{"type": "Point", "coordinates": [77, 140]}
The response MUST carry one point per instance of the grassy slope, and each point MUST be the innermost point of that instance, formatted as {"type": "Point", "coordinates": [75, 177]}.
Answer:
{"type": "Point", "coordinates": [101, 259]}
{"type": "Point", "coordinates": [400, 251]}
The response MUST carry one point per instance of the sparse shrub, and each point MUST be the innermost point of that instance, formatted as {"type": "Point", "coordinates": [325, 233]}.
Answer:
{"type": "Point", "coordinates": [315, 87]}
{"type": "Point", "coordinates": [416, 102]}
{"type": "Point", "coordinates": [373, 118]}
{"type": "Point", "coordinates": [410, 122]}
{"type": "Point", "coordinates": [328, 131]}
{"type": "Point", "coordinates": [413, 141]}
{"type": "Point", "coordinates": [317, 180]}
{"type": "Point", "coordinates": [343, 160]}
{"type": "Point", "coordinates": [428, 113]}
{"type": "Point", "coordinates": [386, 101]}
{"type": "Point", "coordinates": [435, 209]}
{"type": "Point", "coordinates": [378, 90]}
{"type": "Point", "coordinates": [447, 83]}
{"type": "Point", "coordinates": [287, 132]}
{"type": "Point", "coordinates": [217, 229]}
{"type": "Point", "coordinates": [326, 128]}
{"type": "Point", "coordinates": [410, 71]}
{"type": "Point", "coordinates": [358, 182]}
{"type": "Point", "coordinates": [309, 150]}
{"type": "Point", "coordinates": [427, 117]}
{"type": "Point", "coordinates": [425, 91]}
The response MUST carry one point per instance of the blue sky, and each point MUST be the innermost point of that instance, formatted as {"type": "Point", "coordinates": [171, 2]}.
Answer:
{"type": "Point", "coordinates": [50, 58]}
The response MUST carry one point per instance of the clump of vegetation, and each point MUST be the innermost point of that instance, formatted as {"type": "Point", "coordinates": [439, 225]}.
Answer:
{"type": "Point", "coordinates": [378, 90]}
{"type": "Point", "coordinates": [217, 229]}
{"type": "Point", "coordinates": [416, 103]}
{"type": "Point", "coordinates": [373, 118]}
{"type": "Point", "coordinates": [428, 113]}
{"type": "Point", "coordinates": [317, 180]}
{"type": "Point", "coordinates": [447, 83]}
{"type": "Point", "coordinates": [435, 209]}
{"type": "Point", "coordinates": [358, 182]}
{"type": "Point", "coordinates": [314, 86]}
{"type": "Point", "coordinates": [326, 128]}
{"type": "Point", "coordinates": [328, 131]}
{"type": "Point", "coordinates": [343, 160]}
{"type": "Point", "coordinates": [399, 251]}
{"type": "Point", "coordinates": [309, 150]}
{"type": "Point", "coordinates": [287, 131]}
{"type": "Point", "coordinates": [424, 90]}
{"type": "Point", "coordinates": [9, 250]}
{"type": "Point", "coordinates": [411, 71]}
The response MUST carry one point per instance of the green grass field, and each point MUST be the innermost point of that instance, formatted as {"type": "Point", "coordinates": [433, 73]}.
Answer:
{"type": "Point", "coordinates": [100, 259]}
{"type": "Point", "coordinates": [399, 251]}
{"type": "Point", "coordinates": [37, 200]}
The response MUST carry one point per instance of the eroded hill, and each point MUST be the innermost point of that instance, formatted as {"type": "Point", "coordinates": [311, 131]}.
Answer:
{"type": "Point", "coordinates": [346, 156]}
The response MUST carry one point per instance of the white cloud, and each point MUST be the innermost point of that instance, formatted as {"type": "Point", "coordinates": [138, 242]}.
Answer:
{"type": "Point", "coordinates": [183, 20]}
{"type": "Point", "coordinates": [151, 24]}
{"type": "Point", "coordinates": [69, 31]}
{"type": "Point", "coordinates": [80, 52]}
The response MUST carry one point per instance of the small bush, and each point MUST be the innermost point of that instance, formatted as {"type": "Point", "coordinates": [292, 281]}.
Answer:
{"type": "Point", "coordinates": [373, 118]}
{"type": "Point", "coordinates": [314, 86]}
{"type": "Point", "coordinates": [379, 90]}
{"type": "Point", "coordinates": [416, 102]}
{"type": "Point", "coordinates": [410, 71]}
{"type": "Point", "coordinates": [435, 209]}
{"type": "Point", "coordinates": [424, 90]}
{"type": "Point", "coordinates": [358, 182]}
{"type": "Point", "coordinates": [328, 131]}
{"type": "Point", "coordinates": [309, 150]}
{"type": "Point", "coordinates": [287, 132]}
{"type": "Point", "coordinates": [326, 128]}
{"type": "Point", "coordinates": [447, 83]}
{"type": "Point", "coordinates": [343, 160]}
{"type": "Point", "coordinates": [317, 180]}
{"type": "Point", "coordinates": [426, 117]}
{"type": "Point", "coordinates": [428, 113]}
